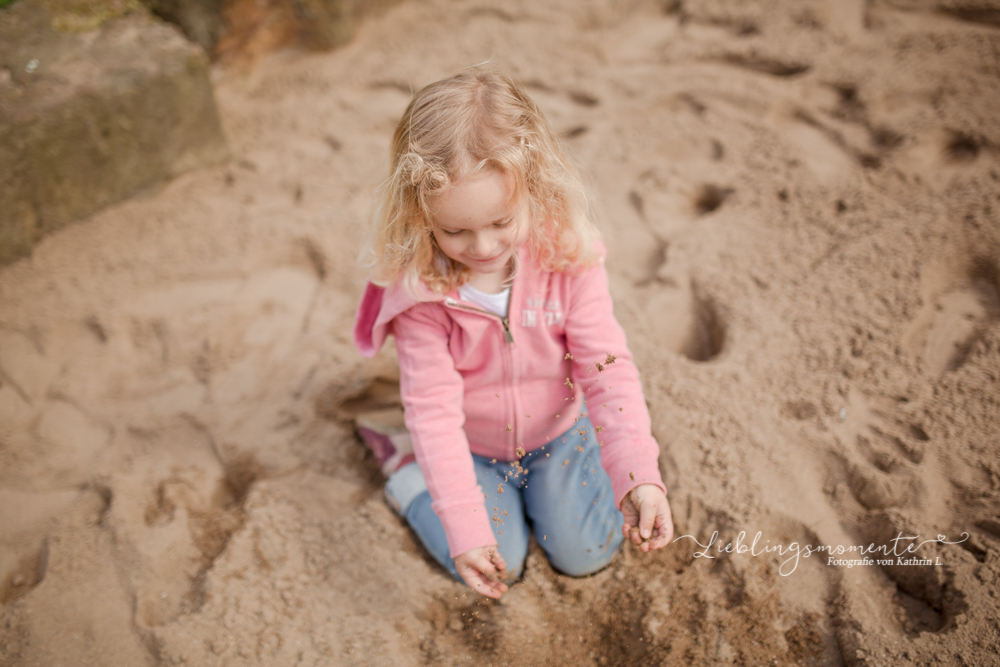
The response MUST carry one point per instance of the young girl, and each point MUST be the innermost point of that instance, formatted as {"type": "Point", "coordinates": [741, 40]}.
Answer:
{"type": "Point", "coordinates": [521, 401]}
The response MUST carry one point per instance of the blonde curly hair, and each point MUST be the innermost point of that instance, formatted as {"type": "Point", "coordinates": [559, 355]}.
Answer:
{"type": "Point", "coordinates": [477, 119]}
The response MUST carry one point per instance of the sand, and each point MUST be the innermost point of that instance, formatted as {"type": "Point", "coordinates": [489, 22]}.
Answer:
{"type": "Point", "coordinates": [801, 206]}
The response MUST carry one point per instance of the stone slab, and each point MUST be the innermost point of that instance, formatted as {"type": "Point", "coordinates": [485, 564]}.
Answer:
{"type": "Point", "coordinates": [90, 118]}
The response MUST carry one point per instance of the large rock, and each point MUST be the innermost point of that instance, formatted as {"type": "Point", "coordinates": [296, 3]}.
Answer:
{"type": "Point", "coordinates": [253, 29]}
{"type": "Point", "coordinates": [333, 22]}
{"type": "Point", "coordinates": [201, 20]}
{"type": "Point", "coordinates": [244, 30]}
{"type": "Point", "coordinates": [90, 118]}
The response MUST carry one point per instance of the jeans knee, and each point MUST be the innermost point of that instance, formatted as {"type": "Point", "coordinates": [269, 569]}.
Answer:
{"type": "Point", "coordinates": [515, 553]}
{"type": "Point", "coordinates": [515, 567]}
{"type": "Point", "coordinates": [580, 560]}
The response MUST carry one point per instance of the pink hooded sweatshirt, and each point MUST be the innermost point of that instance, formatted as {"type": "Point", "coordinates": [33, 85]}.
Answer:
{"type": "Point", "coordinates": [472, 381]}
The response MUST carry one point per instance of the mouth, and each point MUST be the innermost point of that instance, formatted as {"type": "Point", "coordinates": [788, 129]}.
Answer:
{"type": "Point", "coordinates": [488, 260]}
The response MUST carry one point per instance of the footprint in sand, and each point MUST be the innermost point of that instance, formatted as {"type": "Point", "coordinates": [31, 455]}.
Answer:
{"type": "Point", "coordinates": [904, 489]}
{"type": "Point", "coordinates": [961, 299]}
{"type": "Point", "coordinates": [687, 319]}
{"type": "Point", "coordinates": [937, 156]}
{"type": "Point", "coordinates": [24, 536]}
{"type": "Point", "coordinates": [884, 456]}
{"type": "Point", "coordinates": [926, 594]}
{"type": "Point", "coordinates": [177, 503]}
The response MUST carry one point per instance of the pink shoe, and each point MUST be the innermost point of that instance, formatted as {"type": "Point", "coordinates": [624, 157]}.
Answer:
{"type": "Point", "coordinates": [385, 434]}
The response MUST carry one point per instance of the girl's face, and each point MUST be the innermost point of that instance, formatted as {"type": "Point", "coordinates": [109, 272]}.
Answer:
{"type": "Point", "coordinates": [477, 224]}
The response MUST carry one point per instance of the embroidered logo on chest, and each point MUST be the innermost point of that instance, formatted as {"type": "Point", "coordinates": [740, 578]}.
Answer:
{"type": "Point", "coordinates": [537, 309]}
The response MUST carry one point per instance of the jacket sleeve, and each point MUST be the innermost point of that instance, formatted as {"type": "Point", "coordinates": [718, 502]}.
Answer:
{"type": "Point", "coordinates": [432, 391]}
{"type": "Point", "coordinates": [614, 395]}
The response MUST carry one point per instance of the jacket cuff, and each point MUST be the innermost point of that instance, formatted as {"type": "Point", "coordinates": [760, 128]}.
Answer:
{"type": "Point", "coordinates": [466, 523]}
{"type": "Point", "coordinates": [628, 472]}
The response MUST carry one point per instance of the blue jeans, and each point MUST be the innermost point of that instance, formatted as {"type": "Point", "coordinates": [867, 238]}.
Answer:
{"type": "Point", "coordinates": [565, 497]}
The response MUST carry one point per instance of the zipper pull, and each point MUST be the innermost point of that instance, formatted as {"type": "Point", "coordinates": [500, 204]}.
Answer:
{"type": "Point", "coordinates": [507, 336]}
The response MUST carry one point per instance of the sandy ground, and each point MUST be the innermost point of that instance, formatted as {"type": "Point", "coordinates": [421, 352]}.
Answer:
{"type": "Point", "coordinates": [801, 205]}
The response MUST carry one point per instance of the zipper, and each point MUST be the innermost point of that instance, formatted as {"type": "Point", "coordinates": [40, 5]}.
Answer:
{"type": "Point", "coordinates": [507, 336]}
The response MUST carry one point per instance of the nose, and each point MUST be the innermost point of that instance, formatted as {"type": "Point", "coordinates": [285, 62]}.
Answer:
{"type": "Point", "coordinates": [482, 246]}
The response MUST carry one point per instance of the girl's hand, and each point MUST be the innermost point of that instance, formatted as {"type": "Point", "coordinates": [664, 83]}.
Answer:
{"type": "Point", "coordinates": [647, 517]}
{"type": "Point", "coordinates": [482, 569]}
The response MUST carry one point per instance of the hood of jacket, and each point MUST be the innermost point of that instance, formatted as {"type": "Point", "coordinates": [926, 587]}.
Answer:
{"type": "Point", "coordinates": [378, 308]}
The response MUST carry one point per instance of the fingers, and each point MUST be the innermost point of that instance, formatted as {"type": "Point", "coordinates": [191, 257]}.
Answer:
{"type": "Point", "coordinates": [651, 527]}
{"type": "Point", "coordinates": [482, 569]}
{"type": "Point", "coordinates": [481, 584]}
{"type": "Point", "coordinates": [664, 525]}
{"type": "Point", "coordinates": [498, 562]}
{"type": "Point", "coordinates": [647, 518]}
{"type": "Point", "coordinates": [635, 509]}
{"type": "Point", "coordinates": [630, 512]}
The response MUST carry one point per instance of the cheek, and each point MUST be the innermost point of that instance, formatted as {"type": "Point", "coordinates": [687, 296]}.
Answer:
{"type": "Point", "coordinates": [449, 245]}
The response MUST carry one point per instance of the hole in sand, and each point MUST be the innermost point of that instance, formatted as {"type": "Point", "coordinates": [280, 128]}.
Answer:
{"type": "Point", "coordinates": [989, 16]}
{"type": "Point", "coordinates": [241, 473]}
{"type": "Point", "coordinates": [884, 138]}
{"type": "Point", "coordinates": [921, 616]}
{"type": "Point", "coordinates": [583, 99]}
{"type": "Point", "coordinates": [636, 202]}
{"type": "Point", "coordinates": [923, 590]}
{"type": "Point", "coordinates": [951, 322]}
{"type": "Point", "coordinates": [574, 132]}
{"type": "Point", "coordinates": [718, 151]}
{"type": "Point", "coordinates": [671, 7]}
{"type": "Point", "coordinates": [710, 197]}
{"type": "Point", "coordinates": [961, 148]}
{"type": "Point", "coordinates": [869, 161]}
{"type": "Point", "coordinates": [926, 595]}
{"type": "Point", "coordinates": [875, 489]}
{"type": "Point", "coordinates": [767, 65]}
{"type": "Point", "coordinates": [885, 461]}
{"type": "Point", "coordinates": [849, 108]}
{"type": "Point", "coordinates": [708, 332]}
